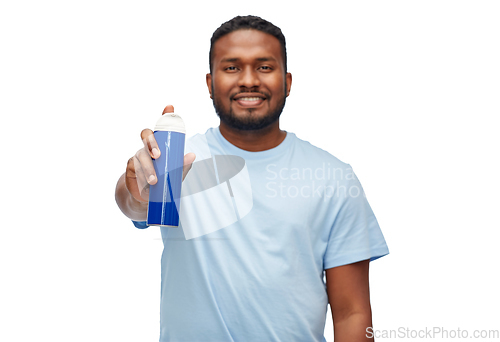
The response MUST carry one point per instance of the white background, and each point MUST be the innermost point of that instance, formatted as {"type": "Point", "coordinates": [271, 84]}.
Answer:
{"type": "Point", "coordinates": [407, 92]}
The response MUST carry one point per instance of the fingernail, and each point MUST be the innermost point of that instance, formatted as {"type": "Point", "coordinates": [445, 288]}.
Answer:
{"type": "Point", "coordinates": [155, 152]}
{"type": "Point", "coordinates": [151, 178]}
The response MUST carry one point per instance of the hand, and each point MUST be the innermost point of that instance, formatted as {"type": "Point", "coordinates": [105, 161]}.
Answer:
{"type": "Point", "coordinates": [140, 173]}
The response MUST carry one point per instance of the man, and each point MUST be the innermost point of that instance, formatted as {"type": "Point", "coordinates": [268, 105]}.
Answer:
{"type": "Point", "coordinates": [261, 278]}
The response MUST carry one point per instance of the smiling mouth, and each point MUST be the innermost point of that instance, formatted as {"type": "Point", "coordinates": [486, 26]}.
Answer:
{"type": "Point", "coordinates": [249, 100]}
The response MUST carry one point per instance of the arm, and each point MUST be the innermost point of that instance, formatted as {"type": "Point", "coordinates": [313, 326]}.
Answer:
{"type": "Point", "coordinates": [349, 296]}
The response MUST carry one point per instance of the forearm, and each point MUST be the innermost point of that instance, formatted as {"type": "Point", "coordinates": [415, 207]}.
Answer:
{"type": "Point", "coordinates": [132, 208]}
{"type": "Point", "coordinates": [353, 328]}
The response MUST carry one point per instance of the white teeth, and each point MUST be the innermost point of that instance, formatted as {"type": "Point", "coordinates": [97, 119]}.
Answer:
{"type": "Point", "coordinates": [249, 98]}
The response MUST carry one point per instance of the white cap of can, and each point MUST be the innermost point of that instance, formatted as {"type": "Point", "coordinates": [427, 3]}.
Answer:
{"type": "Point", "coordinates": [170, 122]}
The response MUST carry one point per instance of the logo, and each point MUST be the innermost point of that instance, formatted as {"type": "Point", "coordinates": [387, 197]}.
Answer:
{"type": "Point", "coordinates": [215, 194]}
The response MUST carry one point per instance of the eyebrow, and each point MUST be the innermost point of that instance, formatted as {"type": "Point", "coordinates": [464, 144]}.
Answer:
{"type": "Point", "coordinates": [260, 59]}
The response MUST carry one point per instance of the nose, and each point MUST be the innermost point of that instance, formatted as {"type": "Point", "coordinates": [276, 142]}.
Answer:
{"type": "Point", "coordinates": [249, 78]}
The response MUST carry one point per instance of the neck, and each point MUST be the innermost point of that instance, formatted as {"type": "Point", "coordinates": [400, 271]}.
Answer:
{"type": "Point", "coordinates": [255, 140]}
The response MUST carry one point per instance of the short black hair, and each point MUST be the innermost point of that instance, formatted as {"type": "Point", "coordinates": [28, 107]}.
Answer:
{"type": "Point", "coordinates": [248, 22]}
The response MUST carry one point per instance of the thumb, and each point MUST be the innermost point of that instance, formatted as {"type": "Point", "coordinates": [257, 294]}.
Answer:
{"type": "Point", "coordinates": [168, 109]}
{"type": "Point", "coordinates": [188, 162]}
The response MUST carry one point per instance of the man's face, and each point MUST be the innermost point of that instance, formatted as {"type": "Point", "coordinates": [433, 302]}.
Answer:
{"type": "Point", "coordinates": [248, 83]}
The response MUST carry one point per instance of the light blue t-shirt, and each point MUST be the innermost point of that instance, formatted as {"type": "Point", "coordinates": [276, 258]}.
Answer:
{"type": "Point", "coordinates": [247, 262]}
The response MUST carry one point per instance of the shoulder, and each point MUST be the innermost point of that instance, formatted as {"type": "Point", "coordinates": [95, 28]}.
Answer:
{"type": "Point", "coordinates": [316, 155]}
{"type": "Point", "coordinates": [199, 144]}
{"type": "Point", "coordinates": [198, 138]}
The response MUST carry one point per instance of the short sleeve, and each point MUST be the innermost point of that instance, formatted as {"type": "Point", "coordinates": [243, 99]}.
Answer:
{"type": "Point", "coordinates": [140, 224]}
{"type": "Point", "coordinates": [355, 234]}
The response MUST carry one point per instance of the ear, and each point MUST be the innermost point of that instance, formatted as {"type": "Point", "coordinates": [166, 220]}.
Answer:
{"type": "Point", "coordinates": [209, 84]}
{"type": "Point", "coordinates": [288, 80]}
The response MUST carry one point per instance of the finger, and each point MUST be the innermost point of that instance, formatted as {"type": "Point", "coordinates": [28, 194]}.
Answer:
{"type": "Point", "coordinates": [145, 164]}
{"type": "Point", "coordinates": [188, 163]}
{"type": "Point", "coordinates": [142, 184]}
{"type": "Point", "coordinates": [150, 144]}
{"type": "Point", "coordinates": [133, 182]}
{"type": "Point", "coordinates": [168, 109]}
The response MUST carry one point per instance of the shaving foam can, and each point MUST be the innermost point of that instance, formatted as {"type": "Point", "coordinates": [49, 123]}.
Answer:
{"type": "Point", "coordinates": [164, 196]}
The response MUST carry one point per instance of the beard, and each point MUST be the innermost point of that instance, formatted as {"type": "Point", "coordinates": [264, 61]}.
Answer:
{"type": "Point", "coordinates": [247, 122]}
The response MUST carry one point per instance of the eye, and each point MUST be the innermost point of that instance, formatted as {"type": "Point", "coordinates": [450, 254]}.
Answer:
{"type": "Point", "coordinates": [231, 68]}
{"type": "Point", "coordinates": [265, 68]}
